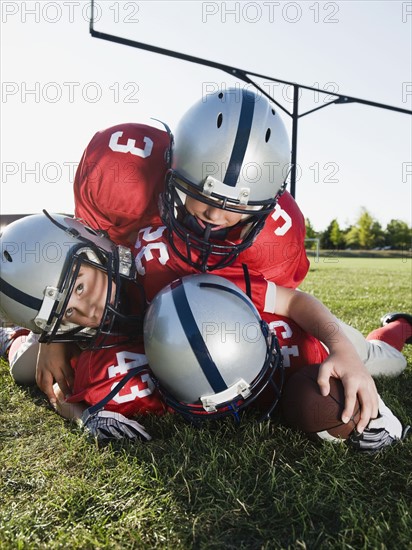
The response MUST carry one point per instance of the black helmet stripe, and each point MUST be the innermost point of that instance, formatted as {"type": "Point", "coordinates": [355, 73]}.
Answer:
{"type": "Point", "coordinates": [19, 296]}
{"type": "Point", "coordinates": [241, 140]}
{"type": "Point", "coordinates": [195, 338]}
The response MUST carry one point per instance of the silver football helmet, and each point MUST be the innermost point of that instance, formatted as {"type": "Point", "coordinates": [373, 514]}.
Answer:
{"type": "Point", "coordinates": [41, 257]}
{"type": "Point", "coordinates": [209, 350]}
{"type": "Point", "coordinates": [231, 150]}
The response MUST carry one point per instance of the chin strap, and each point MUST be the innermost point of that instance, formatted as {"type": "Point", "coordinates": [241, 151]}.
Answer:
{"type": "Point", "coordinates": [246, 276]}
{"type": "Point", "coordinates": [191, 223]}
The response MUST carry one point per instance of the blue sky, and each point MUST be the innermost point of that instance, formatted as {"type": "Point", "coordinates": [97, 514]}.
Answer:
{"type": "Point", "coordinates": [60, 85]}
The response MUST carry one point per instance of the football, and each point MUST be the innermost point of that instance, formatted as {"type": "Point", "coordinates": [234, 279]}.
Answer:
{"type": "Point", "coordinates": [306, 409]}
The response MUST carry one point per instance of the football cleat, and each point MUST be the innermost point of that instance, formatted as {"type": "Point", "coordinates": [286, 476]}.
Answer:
{"type": "Point", "coordinates": [110, 426]}
{"type": "Point", "coordinates": [381, 432]}
{"type": "Point", "coordinates": [7, 337]}
{"type": "Point", "coordinates": [390, 317]}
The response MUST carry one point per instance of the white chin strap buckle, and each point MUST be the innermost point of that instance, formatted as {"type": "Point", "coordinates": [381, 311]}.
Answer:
{"type": "Point", "coordinates": [211, 402]}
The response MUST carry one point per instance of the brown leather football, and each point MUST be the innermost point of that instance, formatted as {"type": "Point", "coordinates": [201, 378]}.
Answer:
{"type": "Point", "coordinates": [305, 409]}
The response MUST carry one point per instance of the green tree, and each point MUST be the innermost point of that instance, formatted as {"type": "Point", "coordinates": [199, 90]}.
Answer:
{"type": "Point", "coordinates": [370, 231]}
{"type": "Point", "coordinates": [398, 234]}
{"type": "Point", "coordinates": [310, 231]}
{"type": "Point", "coordinates": [336, 237]}
{"type": "Point", "coordinates": [310, 234]}
{"type": "Point", "coordinates": [325, 237]}
{"type": "Point", "coordinates": [352, 237]}
{"type": "Point", "coordinates": [364, 224]}
{"type": "Point", "coordinates": [378, 234]}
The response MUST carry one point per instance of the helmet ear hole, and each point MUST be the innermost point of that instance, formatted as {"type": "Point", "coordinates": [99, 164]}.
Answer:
{"type": "Point", "coordinates": [267, 136]}
{"type": "Point", "coordinates": [219, 120]}
{"type": "Point", "coordinates": [6, 254]}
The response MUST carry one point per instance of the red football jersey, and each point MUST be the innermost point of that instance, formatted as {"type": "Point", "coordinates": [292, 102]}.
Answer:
{"type": "Point", "coordinates": [119, 179]}
{"type": "Point", "coordinates": [97, 372]}
{"type": "Point", "coordinates": [298, 349]}
{"type": "Point", "coordinates": [297, 346]}
{"type": "Point", "coordinates": [279, 252]}
{"type": "Point", "coordinates": [158, 266]}
{"type": "Point", "coordinates": [117, 188]}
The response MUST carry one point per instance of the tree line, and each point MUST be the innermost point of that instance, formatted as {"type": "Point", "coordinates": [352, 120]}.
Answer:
{"type": "Point", "coordinates": [366, 234]}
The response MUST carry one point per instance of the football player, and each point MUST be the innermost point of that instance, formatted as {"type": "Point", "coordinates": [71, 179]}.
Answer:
{"type": "Point", "coordinates": [223, 205]}
{"type": "Point", "coordinates": [56, 300]}
{"type": "Point", "coordinates": [68, 283]}
{"type": "Point", "coordinates": [124, 184]}
{"type": "Point", "coordinates": [201, 339]}
{"type": "Point", "coordinates": [230, 150]}
{"type": "Point", "coordinates": [205, 339]}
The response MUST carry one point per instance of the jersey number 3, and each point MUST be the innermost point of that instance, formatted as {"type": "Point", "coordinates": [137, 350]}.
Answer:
{"type": "Point", "coordinates": [130, 146]}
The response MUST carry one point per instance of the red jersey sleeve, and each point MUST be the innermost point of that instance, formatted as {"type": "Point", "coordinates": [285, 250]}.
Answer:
{"type": "Point", "coordinates": [119, 179]}
{"type": "Point", "coordinates": [279, 250]}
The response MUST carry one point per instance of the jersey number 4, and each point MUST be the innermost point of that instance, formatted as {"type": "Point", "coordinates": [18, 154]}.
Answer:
{"type": "Point", "coordinates": [127, 360]}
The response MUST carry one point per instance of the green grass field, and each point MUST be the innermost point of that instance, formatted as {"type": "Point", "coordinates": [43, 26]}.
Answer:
{"type": "Point", "coordinates": [257, 486]}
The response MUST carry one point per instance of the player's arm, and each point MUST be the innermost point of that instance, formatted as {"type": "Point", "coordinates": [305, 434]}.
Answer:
{"type": "Point", "coordinates": [66, 409]}
{"type": "Point", "coordinates": [53, 365]}
{"type": "Point", "coordinates": [343, 362]}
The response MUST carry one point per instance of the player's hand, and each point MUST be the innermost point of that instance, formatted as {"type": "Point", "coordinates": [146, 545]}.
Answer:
{"type": "Point", "coordinates": [381, 432]}
{"type": "Point", "coordinates": [108, 426]}
{"type": "Point", "coordinates": [53, 365]}
{"type": "Point", "coordinates": [357, 382]}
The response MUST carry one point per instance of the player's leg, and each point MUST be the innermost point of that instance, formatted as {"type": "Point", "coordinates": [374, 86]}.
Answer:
{"type": "Point", "coordinates": [7, 335]}
{"type": "Point", "coordinates": [22, 356]}
{"type": "Point", "coordinates": [386, 344]}
{"type": "Point", "coordinates": [381, 349]}
{"type": "Point", "coordinates": [396, 330]}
